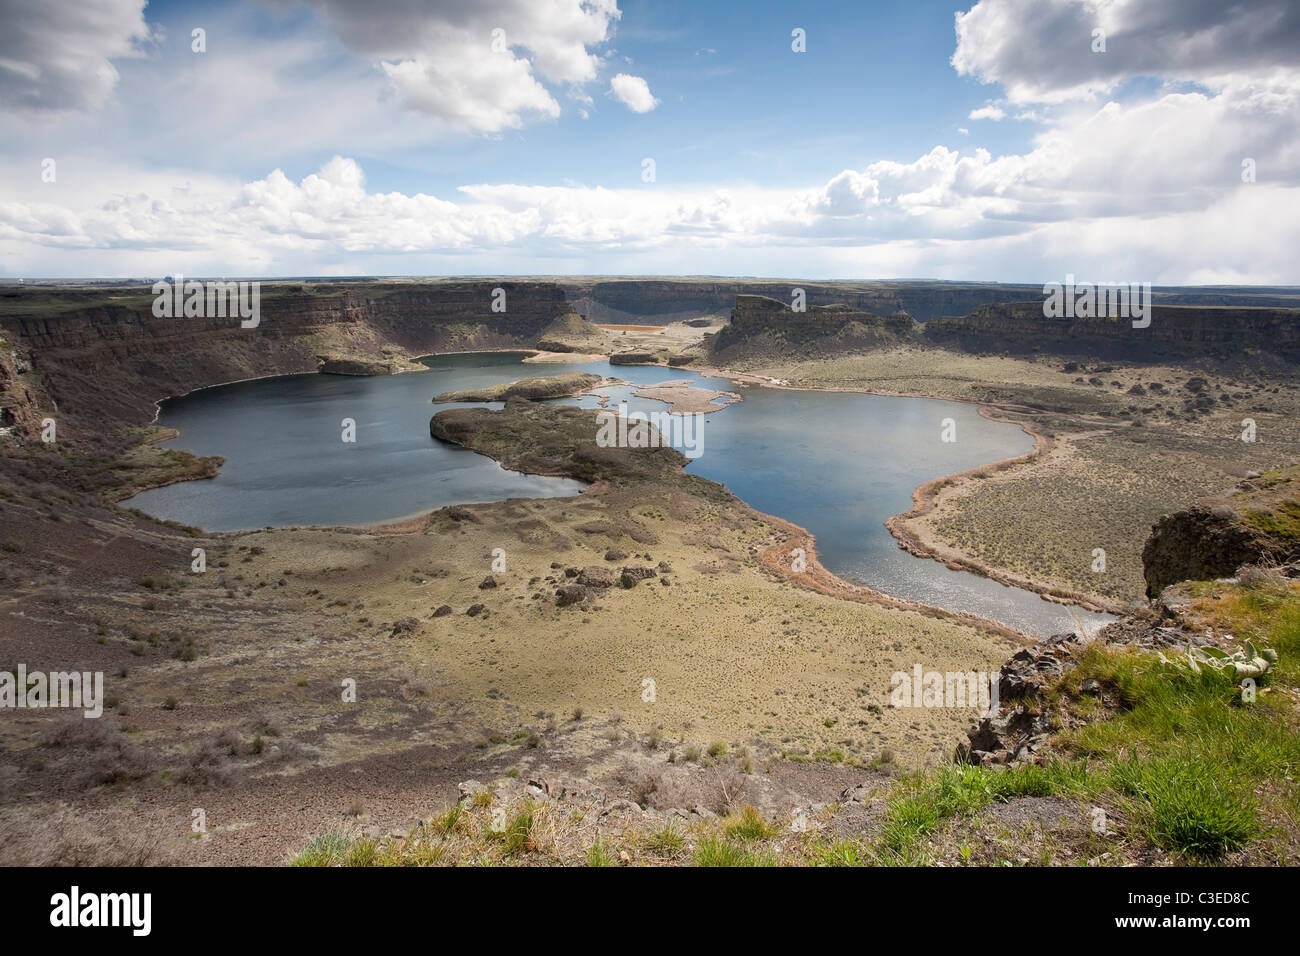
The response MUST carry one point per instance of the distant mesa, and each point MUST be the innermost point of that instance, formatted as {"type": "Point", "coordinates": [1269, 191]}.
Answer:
{"type": "Point", "coordinates": [766, 328]}
{"type": "Point", "coordinates": [761, 325]}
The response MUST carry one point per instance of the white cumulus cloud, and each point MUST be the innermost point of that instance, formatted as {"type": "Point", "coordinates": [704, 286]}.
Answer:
{"type": "Point", "coordinates": [633, 92]}
{"type": "Point", "coordinates": [481, 66]}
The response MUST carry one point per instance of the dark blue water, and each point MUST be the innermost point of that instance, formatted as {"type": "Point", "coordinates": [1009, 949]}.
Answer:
{"type": "Point", "coordinates": [287, 463]}
{"type": "Point", "coordinates": [837, 463]}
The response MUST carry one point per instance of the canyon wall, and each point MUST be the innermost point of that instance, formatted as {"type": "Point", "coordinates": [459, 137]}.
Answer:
{"type": "Point", "coordinates": [764, 328]}
{"type": "Point", "coordinates": [655, 301]}
{"type": "Point", "coordinates": [103, 355]}
{"type": "Point", "coordinates": [99, 354]}
{"type": "Point", "coordinates": [1175, 332]}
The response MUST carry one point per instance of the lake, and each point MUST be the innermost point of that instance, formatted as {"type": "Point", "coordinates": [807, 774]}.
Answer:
{"type": "Point", "coordinates": [836, 463]}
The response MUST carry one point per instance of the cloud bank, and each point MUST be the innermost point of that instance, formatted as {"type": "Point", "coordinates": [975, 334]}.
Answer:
{"type": "Point", "coordinates": [1147, 183]}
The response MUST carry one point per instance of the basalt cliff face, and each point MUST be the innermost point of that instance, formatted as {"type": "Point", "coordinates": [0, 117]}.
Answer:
{"type": "Point", "coordinates": [763, 326]}
{"type": "Point", "coordinates": [1259, 522]}
{"type": "Point", "coordinates": [648, 301]}
{"type": "Point", "coordinates": [1199, 544]}
{"type": "Point", "coordinates": [19, 394]}
{"type": "Point", "coordinates": [1174, 332]}
{"type": "Point", "coordinates": [105, 357]}
{"type": "Point", "coordinates": [654, 301]}
{"type": "Point", "coordinates": [101, 355]}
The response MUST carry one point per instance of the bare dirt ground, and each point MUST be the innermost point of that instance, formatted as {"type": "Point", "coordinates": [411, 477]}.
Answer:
{"type": "Point", "coordinates": [226, 689]}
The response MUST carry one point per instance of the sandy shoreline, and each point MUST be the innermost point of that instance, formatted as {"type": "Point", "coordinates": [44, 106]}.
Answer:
{"type": "Point", "coordinates": [925, 498]}
{"type": "Point", "coordinates": [816, 577]}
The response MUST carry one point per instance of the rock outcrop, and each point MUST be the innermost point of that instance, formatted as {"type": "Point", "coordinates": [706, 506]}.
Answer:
{"type": "Point", "coordinates": [632, 575]}
{"type": "Point", "coordinates": [1199, 544]}
{"type": "Point", "coordinates": [638, 358]}
{"type": "Point", "coordinates": [1260, 523]}
{"type": "Point", "coordinates": [761, 326]}
{"type": "Point", "coordinates": [595, 576]}
{"type": "Point", "coordinates": [20, 394]}
{"type": "Point", "coordinates": [1020, 726]}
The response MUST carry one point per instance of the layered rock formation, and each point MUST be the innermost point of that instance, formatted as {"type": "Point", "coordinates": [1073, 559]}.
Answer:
{"type": "Point", "coordinates": [1259, 523]}
{"type": "Point", "coordinates": [1175, 332]}
{"type": "Point", "coordinates": [104, 356]}
{"type": "Point", "coordinates": [655, 301]}
{"type": "Point", "coordinates": [760, 325]}
{"type": "Point", "coordinates": [763, 327]}
{"type": "Point", "coordinates": [20, 397]}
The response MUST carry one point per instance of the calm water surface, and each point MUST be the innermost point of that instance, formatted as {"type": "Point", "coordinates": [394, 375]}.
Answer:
{"type": "Point", "coordinates": [837, 463]}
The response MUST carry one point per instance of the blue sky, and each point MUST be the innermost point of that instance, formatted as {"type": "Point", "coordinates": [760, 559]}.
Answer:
{"type": "Point", "coordinates": [737, 105]}
{"type": "Point", "coordinates": [329, 137]}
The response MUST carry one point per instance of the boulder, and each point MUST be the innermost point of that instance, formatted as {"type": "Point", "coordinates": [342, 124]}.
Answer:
{"type": "Point", "coordinates": [571, 594]}
{"type": "Point", "coordinates": [596, 577]}
{"type": "Point", "coordinates": [1021, 725]}
{"type": "Point", "coordinates": [632, 575]}
{"type": "Point", "coordinates": [406, 625]}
